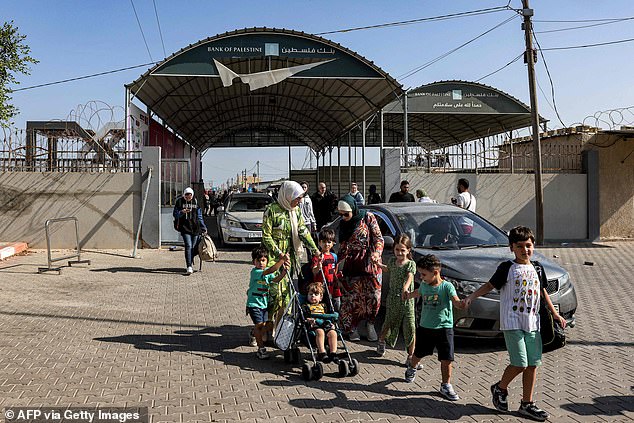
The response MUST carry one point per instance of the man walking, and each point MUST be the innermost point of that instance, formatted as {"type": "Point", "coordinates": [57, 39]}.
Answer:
{"type": "Point", "coordinates": [402, 196]}
{"type": "Point", "coordinates": [465, 199]}
{"type": "Point", "coordinates": [324, 204]}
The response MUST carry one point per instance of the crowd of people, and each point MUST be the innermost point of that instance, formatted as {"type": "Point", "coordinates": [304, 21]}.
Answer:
{"type": "Point", "coordinates": [352, 279]}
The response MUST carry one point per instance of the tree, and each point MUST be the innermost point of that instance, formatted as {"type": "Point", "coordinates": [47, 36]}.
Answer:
{"type": "Point", "coordinates": [14, 59]}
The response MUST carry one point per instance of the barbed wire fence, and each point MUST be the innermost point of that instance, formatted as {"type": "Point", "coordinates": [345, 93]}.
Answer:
{"type": "Point", "coordinates": [91, 139]}
{"type": "Point", "coordinates": [611, 119]}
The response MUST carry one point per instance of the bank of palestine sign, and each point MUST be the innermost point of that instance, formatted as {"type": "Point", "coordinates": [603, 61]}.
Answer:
{"type": "Point", "coordinates": [461, 98]}
{"type": "Point", "coordinates": [326, 61]}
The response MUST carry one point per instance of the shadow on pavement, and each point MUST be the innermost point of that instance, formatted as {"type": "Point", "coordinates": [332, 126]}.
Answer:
{"type": "Point", "coordinates": [107, 253]}
{"type": "Point", "coordinates": [130, 269]}
{"type": "Point", "coordinates": [617, 405]}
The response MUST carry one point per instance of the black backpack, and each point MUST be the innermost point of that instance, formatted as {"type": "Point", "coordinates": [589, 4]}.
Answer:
{"type": "Point", "coordinates": [553, 335]}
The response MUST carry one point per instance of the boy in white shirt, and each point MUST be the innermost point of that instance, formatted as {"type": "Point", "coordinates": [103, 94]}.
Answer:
{"type": "Point", "coordinates": [521, 284]}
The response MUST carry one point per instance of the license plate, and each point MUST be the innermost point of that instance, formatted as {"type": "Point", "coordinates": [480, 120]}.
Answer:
{"type": "Point", "coordinates": [253, 235]}
{"type": "Point", "coordinates": [556, 307]}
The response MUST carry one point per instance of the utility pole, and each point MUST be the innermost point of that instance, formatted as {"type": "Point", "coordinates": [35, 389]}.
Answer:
{"type": "Point", "coordinates": [257, 164]}
{"type": "Point", "coordinates": [530, 57]}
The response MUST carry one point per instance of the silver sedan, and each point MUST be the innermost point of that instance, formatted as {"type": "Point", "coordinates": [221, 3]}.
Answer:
{"type": "Point", "coordinates": [240, 218]}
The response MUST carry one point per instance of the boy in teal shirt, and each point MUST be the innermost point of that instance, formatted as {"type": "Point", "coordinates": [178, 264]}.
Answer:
{"type": "Point", "coordinates": [435, 329]}
{"type": "Point", "coordinates": [258, 292]}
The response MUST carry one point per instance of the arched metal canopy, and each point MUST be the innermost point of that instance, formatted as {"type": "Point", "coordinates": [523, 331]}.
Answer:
{"type": "Point", "coordinates": [447, 113]}
{"type": "Point", "coordinates": [264, 87]}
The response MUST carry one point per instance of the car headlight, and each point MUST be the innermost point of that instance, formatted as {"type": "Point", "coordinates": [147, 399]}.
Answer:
{"type": "Point", "coordinates": [464, 288]}
{"type": "Point", "coordinates": [232, 223]}
{"type": "Point", "coordinates": [564, 281]}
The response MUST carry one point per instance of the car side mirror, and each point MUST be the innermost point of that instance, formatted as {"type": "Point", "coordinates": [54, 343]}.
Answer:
{"type": "Point", "coordinates": [220, 209]}
{"type": "Point", "coordinates": [388, 242]}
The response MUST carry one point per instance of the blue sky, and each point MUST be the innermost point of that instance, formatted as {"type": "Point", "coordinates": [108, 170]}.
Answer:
{"type": "Point", "coordinates": [75, 38]}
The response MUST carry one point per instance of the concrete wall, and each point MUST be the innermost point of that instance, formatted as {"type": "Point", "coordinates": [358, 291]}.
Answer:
{"type": "Point", "coordinates": [507, 200]}
{"type": "Point", "coordinates": [107, 206]}
{"type": "Point", "coordinates": [616, 184]}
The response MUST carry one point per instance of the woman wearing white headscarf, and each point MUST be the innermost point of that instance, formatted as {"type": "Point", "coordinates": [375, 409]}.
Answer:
{"type": "Point", "coordinates": [284, 232]}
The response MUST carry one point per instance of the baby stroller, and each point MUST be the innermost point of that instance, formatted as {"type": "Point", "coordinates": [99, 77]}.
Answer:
{"type": "Point", "coordinates": [292, 330]}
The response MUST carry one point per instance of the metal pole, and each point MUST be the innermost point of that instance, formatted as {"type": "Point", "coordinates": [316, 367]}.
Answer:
{"type": "Point", "coordinates": [381, 157]}
{"type": "Point", "coordinates": [511, 150]}
{"type": "Point", "coordinates": [338, 167]}
{"type": "Point", "coordinates": [289, 160]}
{"type": "Point", "coordinates": [405, 130]}
{"type": "Point", "coordinates": [363, 128]}
{"type": "Point", "coordinates": [349, 157]}
{"type": "Point", "coordinates": [529, 58]}
{"type": "Point", "coordinates": [317, 164]}
{"type": "Point", "coordinates": [138, 229]}
{"type": "Point", "coordinates": [381, 130]}
{"type": "Point", "coordinates": [330, 164]}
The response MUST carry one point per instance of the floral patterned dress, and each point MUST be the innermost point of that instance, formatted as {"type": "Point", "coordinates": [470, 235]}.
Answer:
{"type": "Point", "coordinates": [276, 237]}
{"type": "Point", "coordinates": [361, 294]}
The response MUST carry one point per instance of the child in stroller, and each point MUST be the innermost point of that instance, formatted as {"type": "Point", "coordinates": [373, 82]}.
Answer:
{"type": "Point", "coordinates": [321, 324]}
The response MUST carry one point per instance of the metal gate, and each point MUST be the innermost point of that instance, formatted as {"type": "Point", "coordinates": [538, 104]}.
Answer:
{"type": "Point", "coordinates": [175, 177]}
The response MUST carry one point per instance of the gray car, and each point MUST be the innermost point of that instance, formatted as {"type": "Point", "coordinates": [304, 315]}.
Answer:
{"type": "Point", "coordinates": [470, 249]}
{"type": "Point", "coordinates": [240, 218]}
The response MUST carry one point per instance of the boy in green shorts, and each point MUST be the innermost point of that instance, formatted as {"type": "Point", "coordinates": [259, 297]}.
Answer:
{"type": "Point", "coordinates": [436, 322]}
{"type": "Point", "coordinates": [521, 284]}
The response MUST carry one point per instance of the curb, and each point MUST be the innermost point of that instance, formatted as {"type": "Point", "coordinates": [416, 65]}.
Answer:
{"type": "Point", "coordinates": [12, 248]}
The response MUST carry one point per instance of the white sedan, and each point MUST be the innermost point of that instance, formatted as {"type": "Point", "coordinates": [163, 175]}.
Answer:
{"type": "Point", "coordinates": [240, 218]}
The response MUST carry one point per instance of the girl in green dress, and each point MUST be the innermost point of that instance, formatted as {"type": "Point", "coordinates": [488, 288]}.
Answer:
{"type": "Point", "coordinates": [399, 310]}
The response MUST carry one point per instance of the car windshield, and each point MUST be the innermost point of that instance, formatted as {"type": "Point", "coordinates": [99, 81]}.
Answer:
{"type": "Point", "coordinates": [450, 230]}
{"type": "Point", "coordinates": [249, 204]}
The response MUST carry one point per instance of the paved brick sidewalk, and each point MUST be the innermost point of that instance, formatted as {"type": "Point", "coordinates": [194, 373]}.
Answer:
{"type": "Point", "coordinates": [136, 332]}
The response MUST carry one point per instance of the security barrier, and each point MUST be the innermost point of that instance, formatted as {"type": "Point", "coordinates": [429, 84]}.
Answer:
{"type": "Point", "coordinates": [51, 260]}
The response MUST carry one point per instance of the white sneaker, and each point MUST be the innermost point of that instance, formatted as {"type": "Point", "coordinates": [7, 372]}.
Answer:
{"type": "Point", "coordinates": [408, 363]}
{"type": "Point", "coordinates": [447, 391]}
{"type": "Point", "coordinates": [372, 336]}
{"type": "Point", "coordinates": [354, 335]}
{"type": "Point", "coordinates": [190, 270]}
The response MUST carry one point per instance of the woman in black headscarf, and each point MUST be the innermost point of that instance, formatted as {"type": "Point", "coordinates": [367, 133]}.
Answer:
{"type": "Point", "coordinates": [360, 249]}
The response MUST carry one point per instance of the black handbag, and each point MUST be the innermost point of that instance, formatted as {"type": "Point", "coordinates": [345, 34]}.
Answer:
{"type": "Point", "coordinates": [553, 335]}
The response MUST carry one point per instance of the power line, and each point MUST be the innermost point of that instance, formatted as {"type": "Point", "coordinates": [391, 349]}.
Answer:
{"type": "Point", "coordinates": [585, 26]}
{"type": "Point", "coordinates": [414, 21]}
{"type": "Point", "coordinates": [577, 20]}
{"type": "Point", "coordinates": [83, 77]}
{"type": "Point", "coordinates": [159, 28]}
{"type": "Point", "coordinates": [552, 86]}
{"type": "Point", "coordinates": [442, 56]}
{"type": "Point", "coordinates": [589, 45]}
{"type": "Point", "coordinates": [503, 67]}
{"type": "Point", "coordinates": [142, 34]}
